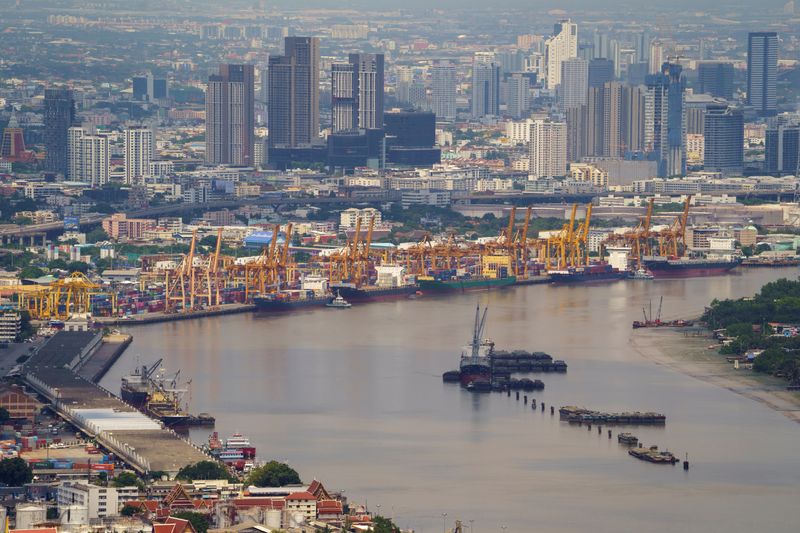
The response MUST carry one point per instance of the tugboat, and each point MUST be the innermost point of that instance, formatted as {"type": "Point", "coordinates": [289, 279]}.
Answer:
{"type": "Point", "coordinates": [339, 302]}
{"type": "Point", "coordinates": [642, 273]}
{"type": "Point", "coordinates": [628, 439]}
{"type": "Point", "coordinates": [475, 369]}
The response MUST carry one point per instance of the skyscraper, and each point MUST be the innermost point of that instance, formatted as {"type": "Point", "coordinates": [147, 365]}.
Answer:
{"type": "Point", "coordinates": [724, 140]}
{"type": "Point", "coordinates": [357, 93]}
{"type": "Point", "coordinates": [716, 78]}
{"type": "Point", "coordinates": [444, 91]}
{"type": "Point", "coordinates": [230, 115]}
{"type": "Point", "coordinates": [665, 131]}
{"type": "Point", "coordinates": [138, 154]}
{"type": "Point", "coordinates": [562, 45]}
{"type": "Point", "coordinates": [574, 82]}
{"type": "Point", "coordinates": [762, 71]}
{"type": "Point", "coordinates": [642, 45]}
{"type": "Point", "coordinates": [548, 149]}
{"type": "Point", "coordinates": [294, 94]}
{"type": "Point", "coordinates": [59, 115]}
{"type": "Point", "coordinates": [518, 100]}
{"type": "Point", "coordinates": [601, 70]}
{"type": "Point", "coordinates": [485, 86]}
{"type": "Point", "coordinates": [782, 146]}
{"type": "Point", "coordinates": [95, 159]}
{"type": "Point", "coordinates": [74, 153]}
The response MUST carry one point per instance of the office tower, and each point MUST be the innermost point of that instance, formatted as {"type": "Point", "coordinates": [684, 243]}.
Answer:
{"type": "Point", "coordinates": [724, 140]}
{"type": "Point", "coordinates": [600, 47]}
{"type": "Point", "coordinates": [74, 153]}
{"type": "Point", "coordinates": [138, 154]}
{"type": "Point", "coordinates": [230, 116]}
{"type": "Point", "coordinates": [263, 94]}
{"type": "Point", "coordinates": [444, 91]}
{"type": "Point", "coordinates": [642, 45]}
{"type": "Point", "coordinates": [762, 71]}
{"type": "Point", "coordinates": [59, 115]}
{"type": "Point", "coordinates": [485, 85]}
{"type": "Point", "coordinates": [294, 94]}
{"type": "Point", "coordinates": [576, 135]}
{"type": "Point", "coordinates": [782, 147]}
{"type": "Point", "coordinates": [518, 95]}
{"type": "Point", "coordinates": [510, 61]}
{"type": "Point", "coordinates": [574, 82]}
{"type": "Point", "coordinates": [357, 93]}
{"type": "Point", "coordinates": [637, 72]}
{"type": "Point", "coordinates": [665, 120]}
{"type": "Point", "coordinates": [561, 46]}
{"type": "Point", "coordinates": [411, 138]}
{"type": "Point", "coordinates": [634, 107]}
{"type": "Point", "coordinates": [716, 78]}
{"type": "Point", "coordinates": [586, 51]}
{"type": "Point", "coordinates": [601, 70]}
{"type": "Point", "coordinates": [613, 124]}
{"type": "Point", "coordinates": [405, 77]}
{"type": "Point", "coordinates": [148, 88]}
{"type": "Point", "coordinates": [418, 96]}
{"type": "Point", "coordinates": [615, 55]}
{"type": "Point", "coordinates": [548, 149]}
{"type": "Point", "coordinates": [656, 57]}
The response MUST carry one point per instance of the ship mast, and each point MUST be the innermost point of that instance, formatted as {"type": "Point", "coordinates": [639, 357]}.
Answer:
{"type": "Point", "coordinates": [477, 332]}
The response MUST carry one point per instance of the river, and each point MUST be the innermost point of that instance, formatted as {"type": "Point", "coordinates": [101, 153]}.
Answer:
{"type": "Point", "coordinates": [355, 398]}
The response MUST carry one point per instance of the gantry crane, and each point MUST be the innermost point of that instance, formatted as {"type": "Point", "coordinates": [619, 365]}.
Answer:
{"type": "Point", "coordinates": [672, 241]}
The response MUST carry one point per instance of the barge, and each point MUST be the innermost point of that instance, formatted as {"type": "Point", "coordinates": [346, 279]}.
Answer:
{"type": "Point", "coordinates": [653, 455]}
{"type": "Point", "coordinates": [580, 415]}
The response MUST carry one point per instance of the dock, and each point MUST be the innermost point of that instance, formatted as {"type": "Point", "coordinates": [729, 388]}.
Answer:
{"type": "Point", "coordinates": [160, 316]}
{"type": "Point", "coordinates": [133, 437]}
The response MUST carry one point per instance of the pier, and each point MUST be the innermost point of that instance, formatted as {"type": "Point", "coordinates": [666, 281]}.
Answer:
{"type": "Point", "coordinates": [133, 437]}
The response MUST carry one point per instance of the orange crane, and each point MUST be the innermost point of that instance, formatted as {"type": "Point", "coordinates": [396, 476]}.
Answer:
{"type": "Point", "coordinates": [672, 241]}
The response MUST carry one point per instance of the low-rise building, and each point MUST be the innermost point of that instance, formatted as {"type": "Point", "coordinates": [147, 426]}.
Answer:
{"type": "Point", "coordinates": [100, 502]}
{"type": "Point", "coordinates": [10, 325]}
{"type": "Point", "coordinates": [118, 226]}
{"type": "Point", "coordinates": [18, 403]}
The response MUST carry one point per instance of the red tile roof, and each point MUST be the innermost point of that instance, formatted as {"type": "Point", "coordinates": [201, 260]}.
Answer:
{"type": "Point", "coordinates": [36, 530]}
{"type": "Point", "coordinates": [181, 525]}
{"type": "Point", "coordinates": [301, 496]}
{"type": "Point", "coordinates": [163, 528]}
{"type": "Point", "coordinates": [266, 503]}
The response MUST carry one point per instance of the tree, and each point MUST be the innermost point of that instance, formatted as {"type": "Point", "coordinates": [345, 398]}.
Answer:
{"type": "Point", "coordinates": [78, 266]}
{"type": "Point", "coordinates": [59, 264]}
{"type": "Point", "coordinates": [31, 272]}
{"type": "Point", "coordinates": [199, 521]}
{"type": "Point", "coordinates": [15, 472]}
{"type": "Point", "coordinates": [127, 479]}
{"type": "Point", "coordinates": [4, 415]}
{"type": "Point", "coordinates": [130, 510]}
{"type": "Point", "coordinates": [384, 525]}
{"type": "Point", "coordinates": [203, 470]}
{"type": "Point", "coordinates": [273, 474]}
{"type": "Point", "coordinates": [96, 235]}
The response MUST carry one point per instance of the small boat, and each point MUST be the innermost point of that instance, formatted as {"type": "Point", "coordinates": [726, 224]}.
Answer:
{"type": "Point", "coordinates": [628, 439]}
{"type": "Point", "coordinates": [339, 302]}
{"type": "Point", "coordinates": [642, 274]}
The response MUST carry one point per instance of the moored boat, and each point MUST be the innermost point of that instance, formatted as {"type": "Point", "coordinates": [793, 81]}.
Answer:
{"type": "Point", "coordinates": [475, 368]}
{"type": "Point", "coordinates": [587, 274]}
{"type": "Point", "coordinates": [664, 267]}
{"type": "Point", "coordinates": [463, 284]}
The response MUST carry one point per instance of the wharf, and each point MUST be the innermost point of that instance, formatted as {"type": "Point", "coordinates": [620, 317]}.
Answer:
{"type": "Point", "coordinates": [160, 316]}
{"type": "Point", "coordinates": [536, 280]}
{"type": "Point", "coordinates": [135, 438]}
{"type": "Point", "coordinates": [94, 367]}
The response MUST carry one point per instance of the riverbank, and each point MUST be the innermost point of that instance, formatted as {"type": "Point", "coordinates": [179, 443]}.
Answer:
{"type": "Point", "coordinates": [159, 316]}
{"type": "Point", "coordinates": [691, 356]}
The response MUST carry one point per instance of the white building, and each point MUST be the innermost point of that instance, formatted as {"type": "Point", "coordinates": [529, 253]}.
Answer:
{"type": "Point", "coordinates": [519, 132]}
{"type": "Point", "coordinates": [349, 217]}
{"type": "Point", "coordinates": [548, 149]}
{"type": "Point", "coordinates": [138, 153]}
{"type": "Point", "coordinates": [100, 502]}
{"type": "Point", "coordinates": [161, 168]}
{"type": "Point", "coordinates": [10, 325]}
{"type": "Point", "coordinates": [301, 504]}
{"type": "Point", "coordinates": [88, 157]}
{"type": "Point", "coordinates": [586, 172]}
{"type": "Point", "coordinates": [561, 46]}
{"type": "Point", "coordinates": [443, 100]}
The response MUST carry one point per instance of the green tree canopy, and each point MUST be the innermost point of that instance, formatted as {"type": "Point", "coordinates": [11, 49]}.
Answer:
{"type": "Point", "coordinates": [127, 479]}
{"type": "Point", "coordinates": [273, 474]}
{"type": "Point", "coordinates": [31, 272]}
{"type": "Point", "coordinates": [4, 415]}
{"type": "Point", "coordinates": [77, 266]}
{"type": "Point", "coordinates": [15, 472]}
{"type": "Point", "coordinates": [96, 235]}
{"type": "Point", "coordinates": [199, 521]}
{"type": "Point", "coordinates": [384, 525]}
{"type": "Point", "coordinates": [203, 470]}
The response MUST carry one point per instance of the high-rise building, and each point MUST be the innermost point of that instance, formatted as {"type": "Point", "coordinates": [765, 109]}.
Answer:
{"type": "Point", "coordinates": [59, 115]}
{"type": "Point", "coordinates": [600, 48]}
{"type": "Point", "coordinates": [485, 86]}
{"type": "Point", "coordinates": [561, 46]}
{"type": "Point", "coordinates": [230, 115]}
{"type": "Point", "coordinates": [548, 149]}
{"type": "Point", "coordinates": [665, 131]}
{"type": "Point", "coordinates": [148, 88]}
{"type": "Point", "coordinates": [404, 78]}
{"type": "Point", "coordinates": [443, 102]}
{"type": "Point", "coordinates": [518, 95]}
{"type": "Point", "coordinates": [89, 157]}
{"type": "Point", "coordinates": [138, 154]}
{"type": "Point", "coordinates": [724, 140]}
{"type": "Point", "coordinates": [357, 93]}
{"type": "Point", "coordinates": [762, 72]}
{"type": "Point", "coordinates": [782, 146]}
{"type": "Point", "coordinates": [574, 82]}
{"type": "Point", "coordinates": [601, 70]}
{"type": "Point", "coordinates": [716, 78]}
{"type": "Point", "coordinates": [294, 94]}
{"type": "Point", "coordinates": [656, 57]}
{"type": "Point", "coordinates": [642, 45]}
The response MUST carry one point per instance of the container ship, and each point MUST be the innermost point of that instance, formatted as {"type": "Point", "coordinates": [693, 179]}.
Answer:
{"type": "Point", "coordinates": [391, 283]}
{"type": "Point", "coordinates": [290, 300]}
{"type": "Point", "coordinates": [475, 367]}
{"type": "Point", "coordinates": [587, 274]}
{"type": "Point", "coordinates": [462, 284]}
{"type": "Point", "coordinates": [663, 267]}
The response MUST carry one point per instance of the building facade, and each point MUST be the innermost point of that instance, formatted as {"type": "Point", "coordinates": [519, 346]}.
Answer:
{"type": "Point", "coordinates": [138, 153]}
{"type": "Point", "coordinates": [294, 94]}
{"type": "Point", "coordinates": [230, 115]}
{"type": "Point", "coordinates": [762, 72]}
{"type": "Point", "coordinates": [561, 46]}
{"type": "Point", "coordinates": [59, 116]}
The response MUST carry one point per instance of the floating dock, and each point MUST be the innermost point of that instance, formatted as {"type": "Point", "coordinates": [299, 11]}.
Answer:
{"type": "Point", "coordinates": [574, 414]}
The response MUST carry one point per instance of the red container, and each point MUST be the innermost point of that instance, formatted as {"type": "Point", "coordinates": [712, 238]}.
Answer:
{"type": "Point", "coordinates": [104, 467]}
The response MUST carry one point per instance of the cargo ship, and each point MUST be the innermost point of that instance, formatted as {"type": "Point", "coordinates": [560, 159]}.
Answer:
{"type": "Point", "coordinates": [290, 300]}
{"type": "Point", "coordinates": [463, 284]}
{"type": "Point", "coordinates": [587, 274]}
{"type": "Point", "coordinates": [135, 387]}
{"type": "Point", "coordinates": [475, 367]}
{"type": "Point", "coordinates": [372, 293]}
{"type": "Point", "coordinates": [663, 267]}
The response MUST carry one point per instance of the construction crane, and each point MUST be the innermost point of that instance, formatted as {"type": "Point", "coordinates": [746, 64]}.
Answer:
{"type": "Point", "coordinates": [61, 299]}
{"type": "Point", "coordinates": [352, 263]}
{"type": "Point", "coordinates": [672, 241]}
